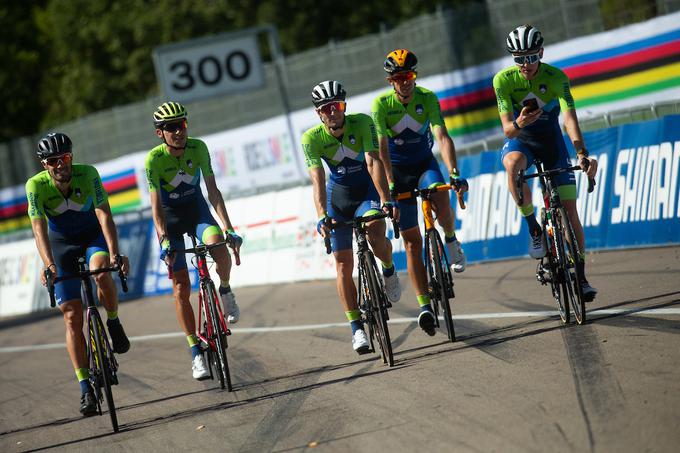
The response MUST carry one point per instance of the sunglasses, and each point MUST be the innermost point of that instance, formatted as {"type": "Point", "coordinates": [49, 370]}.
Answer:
{"type": "Point", "coordinates": [176, 126]}
{"type": "Point", "coordinates": [337, 106]}
{"type": "Point", "coordinates": [403, 76]}
{"type": "Point", "coordinates": [529, 59]}
{"type": "Point", "coordinates": [56, 160]}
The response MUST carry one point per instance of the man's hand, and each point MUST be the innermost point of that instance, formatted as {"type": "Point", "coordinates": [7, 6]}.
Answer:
{"type": "Point", "coordinates": [48, 270]}
{"type": "Point", "coordinates": [235, 241]}
{"type": "Point", "coordinates": [527, 117]}
{"type": "Point", "coordinates": [123, 261]}
{"type": "Point", "coordinates": [392, 209]}
{"type": "Point", "coordinates": [323, 226]}
{"type": "Point", "coordinates": [588, 165]}
{"type": "Point", "coordinates": [167, 252]}
{"type": "Point", "coordinates": [460, 185]}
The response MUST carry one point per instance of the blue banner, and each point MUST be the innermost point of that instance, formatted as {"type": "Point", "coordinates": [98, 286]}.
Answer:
{"type": "Point", "coordinates": [635, 201]}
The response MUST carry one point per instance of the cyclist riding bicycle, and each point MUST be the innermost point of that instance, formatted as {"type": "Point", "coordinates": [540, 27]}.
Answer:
{"type": "Point", "coordinates": [173, 171]}
{"type": "Point", "coordinates": [405, 117]}
{"type": "Point", "coordinates": [357, 187]}
{"type": "Point", "coordinates": [530, 96]}
{"type": "Point", "coordinates": [71, 217]}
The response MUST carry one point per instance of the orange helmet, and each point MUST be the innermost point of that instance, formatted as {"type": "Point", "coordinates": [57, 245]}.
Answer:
{"type": "Point", "coordinates": [400, 60]}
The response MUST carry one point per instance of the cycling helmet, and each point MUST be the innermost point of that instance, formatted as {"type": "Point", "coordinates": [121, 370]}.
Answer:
{"type": "Point", "coordinates": [524, 39]}
{"type": "Point", "coordinates": [54, 144]}
{"type": "Point", "coordinates": [328, 91]}
{"type": "Point", "coordinates": [167, 112]}
{"type": "Point", "coordinates": [400, 60]}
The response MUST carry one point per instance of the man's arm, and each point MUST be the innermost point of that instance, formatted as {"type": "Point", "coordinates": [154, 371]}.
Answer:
{"type": "Point", "coordinates": [216, 200]}
{"type": "Point", "coordinates": [574, 132]}
{"type": "Point", "coordinates": [447, 148]}
{"type": "Point", "coordinates": [157, 214]}
{"type": "Point", "coordinates": [384, 155]}
{"type": "Point", "coordinates": [318, 178]}
{"type": "Point", "coordinates": [42, 242]}
{"type": "Point", "coordinates": [376, 169]}
{"type": "Point", "coordinates": [103, 212]}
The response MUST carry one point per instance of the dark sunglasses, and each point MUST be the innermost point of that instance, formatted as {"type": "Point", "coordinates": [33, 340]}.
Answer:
{"type": "Point", "coordinates": [56, 160]}
{"type": "Point", "coordinates": [338, 106]}
{"type": "Point", "coordinates": [176, 126]}
{"type": "Point", "coordinates": [403, 76]}
{"type": "Point", "coordinates": [529, 59]}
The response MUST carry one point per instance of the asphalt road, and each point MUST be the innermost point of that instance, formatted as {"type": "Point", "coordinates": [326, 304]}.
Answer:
{"type": "Point", "coordinates": [516, 379]}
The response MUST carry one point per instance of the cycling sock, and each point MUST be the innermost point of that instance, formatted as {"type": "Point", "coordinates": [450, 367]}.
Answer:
{"type": "Point", "coordinates": [224, 284]}
{"type": "Point", "coordinates": [581, 267]}
{"type": "Point", "coordinates": [528, 214]}
{"type": "Point", "coordinates": [449, 237]}
{"type": "Point", "coordinates": [354, 318]}
{"type": "Point", "coordinates": [387, 269]}
{"type": "Point", "coordinates": [224, 289]}
{"type": "Point", "coordinates": [112, 314]}
{"type": "Point", "coordinates": [424, 302]}
{"type": "Point", "coordinates": [193, 344]}
{"type": "Point", "coordinates": [83, 375]}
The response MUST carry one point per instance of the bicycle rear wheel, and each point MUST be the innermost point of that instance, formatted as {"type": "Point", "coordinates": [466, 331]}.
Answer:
{"type": "Point", "coordinates": [378, 306]}
{"type": "Point", "coordinates": [573, 275]}
{"type": "Point", "coordinates": [443, 281]}
{"type": "Point", "coordinates": [554, 269]}
{"type": "Point", "coordinates": [220, 354]}
{"type": "Point", "coordinates": [102, 365]}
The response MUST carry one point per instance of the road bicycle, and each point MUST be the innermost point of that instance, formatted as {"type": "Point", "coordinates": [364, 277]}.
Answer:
{"type": "Point", "coordinates": [102, 362]}
{"type": "Point", "coordinates": [559, 268]}
{"type": "Point", "coordinates": [439, 278]}
{"type": "Point", "coordinates": [371, 297]}
{"type": "Point", "coordinates": [213, 330]}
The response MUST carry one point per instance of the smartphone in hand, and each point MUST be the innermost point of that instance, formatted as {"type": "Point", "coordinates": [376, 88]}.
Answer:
{"type": "Point", "coordinates": [530, 104]}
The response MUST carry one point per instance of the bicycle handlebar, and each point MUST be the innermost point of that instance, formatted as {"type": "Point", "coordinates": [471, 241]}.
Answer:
{"type": "Point", "coordinates": [203, 249]}
{"type": "Point", "coordinates": [51, 280]}
{"type": "Point", "coordinates": [521, 177]}
{"type": "Point", "coordinates": [430, 191]}
{"type": "Point", "coordinates": [355, 222]}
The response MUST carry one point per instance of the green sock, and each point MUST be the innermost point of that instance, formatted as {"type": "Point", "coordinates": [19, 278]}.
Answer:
{"type": "Point", "coordinates": [423, 299]}
{"type": "Point", "coordinates": [451, 235]}
{"type": "Point", "coordinates": [389, 265]}
{"type": "Point", "coordinates": [353, 315]}
{"type": "Point", "coordinates": [192, 340]}
{"type": "Point", "coordinates": [112, 314]}
{"type": "Point", "coordinates": [527, 210]}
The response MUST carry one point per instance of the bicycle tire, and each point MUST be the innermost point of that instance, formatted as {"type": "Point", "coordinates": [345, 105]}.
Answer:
{"type": "Point", "coordinates": [432, 288]}
{"type": "Point", "coordinates": [442, 280]}
{"type": "Point", "coordinates": [378, 306]}
{"type": "Point", "coordinates": [102, 363]}
{"type": "Point", "coordinates": [222, 365]}
{"type": "Point", "coordinates": [363, 303]}
{"type": "Point", "coordinates": [573, 282]}
{"type": "Point", "coordinates": [554, 271]}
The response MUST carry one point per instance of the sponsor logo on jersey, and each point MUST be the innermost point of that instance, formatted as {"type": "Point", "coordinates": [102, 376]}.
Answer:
{"type": "Point", "coordinates": [341, 170]}
{"type": "Point", "coordinates": [190, 164]}
{"type": "Point", "coordinates": [542, 88]}
{"type": "Point", "coordinates": [420, 109]}
{"type": "Point", "coordinates": [78, 192]}
{"type": "Point", "coordinates": [398, 141]}
{"type": "Point", "coordinates": [174, 195]}
{"type": "Point", "coordinates": [352, 139]}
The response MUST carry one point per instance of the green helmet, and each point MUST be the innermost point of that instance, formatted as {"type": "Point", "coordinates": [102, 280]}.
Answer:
{"type": "Point", "coordinates": [168, 112]}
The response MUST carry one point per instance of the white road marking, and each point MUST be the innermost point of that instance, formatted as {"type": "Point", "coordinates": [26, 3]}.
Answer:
{"type": "Point", "coordinates": [239, 330]}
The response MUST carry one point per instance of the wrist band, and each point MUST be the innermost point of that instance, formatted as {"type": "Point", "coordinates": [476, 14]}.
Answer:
{"type": "Point", "coordinates": [514, 123]}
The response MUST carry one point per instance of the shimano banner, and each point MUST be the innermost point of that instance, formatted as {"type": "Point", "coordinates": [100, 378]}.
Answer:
{"type": "Point", "coordinates": [634, 203]}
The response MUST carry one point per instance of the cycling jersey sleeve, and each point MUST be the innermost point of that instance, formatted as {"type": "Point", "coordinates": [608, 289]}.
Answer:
{"type": "Point", "coordinates": [100, 195]}
{"type": "Point", "coordinates": [153, 178]}
{"type": "Point", "coordinates": [435, 116]}
{"type": "Point", "coordinates": [370, 136]}
{"type": "Point", "coordinates": [312, 156]}
{"type": "Point", "coordinates": [503, 98]}
{"type": "Point", "coordinates": [564, 92]}
{"type": "Point", "coordinates": [379, 117]}
{"type": "Point", "coordinates": [205, 164]}
{"type": "Point", "coordinates": [35, 202]}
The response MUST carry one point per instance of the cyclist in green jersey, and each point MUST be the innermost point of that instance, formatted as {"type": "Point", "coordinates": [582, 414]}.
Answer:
{"type": "Point", "coordinates": [173, 171]}
{"type": "Point", "coordinates": [530, 96]}
{"type": "Point", "coordinates": [357, 185]}
{"type": "Point", "coordinates": [71, 217]}
{"type": "Point", "coordinates": [405, 118]}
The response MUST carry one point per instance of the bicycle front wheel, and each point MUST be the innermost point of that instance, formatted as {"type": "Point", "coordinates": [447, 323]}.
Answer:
{"type": "Point", "coordinates": [555, 269]}
{"type": "Point", "coordinates": [220, 356]}
{"type": "Point", "coordinates": [443, 281]}
{"type": "Point", "coordinates": [378, 306]}
{"type": "Point", "coordinates": [572, 270]}
{"type": "Point", "coordinates": [102, 366]}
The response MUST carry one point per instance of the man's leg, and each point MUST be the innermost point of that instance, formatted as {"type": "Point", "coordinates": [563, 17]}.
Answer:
{"type": "Point", "coordinates": [382, 249]}
{"type": "Point", "coordinates": [211, 235]}
{"type": "Point", "coordinates": [589, 292]}
{"type": "Point", "coordinates": [75, 345]}
{"type": "Point", "coordinates": [441, 204]}
{"type": "Point", "coordinates": [347, 292]}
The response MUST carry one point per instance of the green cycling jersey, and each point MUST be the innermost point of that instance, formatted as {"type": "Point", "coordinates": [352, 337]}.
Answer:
{"type": "Point", "coordinates": [178, 178]}
{"type": "Point", "coordinates": [71, 214]}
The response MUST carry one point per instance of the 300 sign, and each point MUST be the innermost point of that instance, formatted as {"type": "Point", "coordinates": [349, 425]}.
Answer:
{"type": "Point", "coordinates": [210, 70]}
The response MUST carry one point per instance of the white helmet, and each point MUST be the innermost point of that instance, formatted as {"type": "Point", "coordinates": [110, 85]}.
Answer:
{"type": "Point", "coordinates": [328, 91]}
{"type": "Point", "coordinates": [524, 39]}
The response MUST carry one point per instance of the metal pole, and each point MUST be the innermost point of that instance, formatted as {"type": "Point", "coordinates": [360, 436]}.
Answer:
{"type": "Point", "coordinates": [280, 67]}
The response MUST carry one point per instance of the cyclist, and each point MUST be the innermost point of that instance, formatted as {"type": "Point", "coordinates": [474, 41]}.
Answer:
{"type": "Point", "coordinates": [530, 96]}
{"type": "Point", "coordinates": [357, 186]}
{"type": "Point", "coordinates": [173, 172]}
{"type": "Point", "coordinates": [405, 117]}
{"type": "Point", "coordinates": [71, 217]}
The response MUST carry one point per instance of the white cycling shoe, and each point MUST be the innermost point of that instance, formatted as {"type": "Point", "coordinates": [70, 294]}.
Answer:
{"type": "Point", "coordinates": [458, 259]}
{"type": "Point", "coordinates": [360, 342]}
{"type": "Point", "coordinates": [392, 288]}
{"type": "Point", "coordinates": [536, 246]}
{"type": "Point", "coordinates": [199, 369]}
{"type": "Point", "coordinates": [230, 307]}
